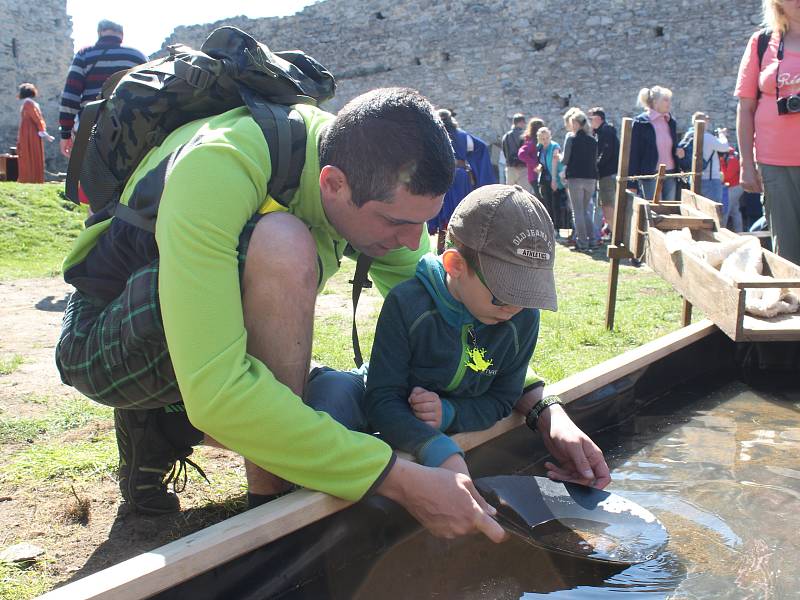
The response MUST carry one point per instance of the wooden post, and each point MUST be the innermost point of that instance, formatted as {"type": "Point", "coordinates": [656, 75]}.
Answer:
{"type": "Point", "coordinates": [697, 186]}
{"type": "Point", "coordinates": [618, 233]}
{"type": "Point", "coordinates": [662, 169]}
{"type": "Point", "coordinates": [697, 157]}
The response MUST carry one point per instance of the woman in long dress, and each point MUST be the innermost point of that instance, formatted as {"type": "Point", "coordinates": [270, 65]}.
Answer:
{"type": "Point", "coordinates": [32, 132]}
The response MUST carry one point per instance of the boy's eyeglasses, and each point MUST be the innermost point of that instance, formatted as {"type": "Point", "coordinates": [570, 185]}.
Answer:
{"type": "Point", "coordinates": [495, 300]}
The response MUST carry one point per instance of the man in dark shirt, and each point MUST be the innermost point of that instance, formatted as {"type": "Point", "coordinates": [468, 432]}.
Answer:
{"type": "Point", "coordinates": [516, 171]}
{"type": "Point", "coordinates": [607, 159]}
{"type": "Point", "coordinates": [90, 68]}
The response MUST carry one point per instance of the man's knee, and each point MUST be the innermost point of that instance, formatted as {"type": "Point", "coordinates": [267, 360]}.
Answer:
{"type": "Point", "coordinates": [281, 246]}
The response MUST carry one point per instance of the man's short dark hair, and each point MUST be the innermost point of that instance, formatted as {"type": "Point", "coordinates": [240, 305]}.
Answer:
{"type": "Point", "coordinates": [518, 119]}
{"type": "Point", "coordinates": [106, 25]}
{"type": "Point", "coordinates": [387, 137]}
{"type": "Point", "coordinates": [598, 112]}
{"type": "Point", "coordinates": [27, 90]}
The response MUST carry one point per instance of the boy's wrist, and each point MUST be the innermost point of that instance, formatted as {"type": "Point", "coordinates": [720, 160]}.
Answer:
{"type": "Point", "coordinates": [532, 418]}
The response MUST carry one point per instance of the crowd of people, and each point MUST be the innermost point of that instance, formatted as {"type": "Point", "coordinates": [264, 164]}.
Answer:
{"type": "Point", "coordinates": [200, 330]}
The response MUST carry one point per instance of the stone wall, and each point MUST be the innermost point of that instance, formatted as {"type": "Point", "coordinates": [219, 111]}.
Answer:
{"type": "Point", "coordinates": [488, 60]}
{"type": "Point", "coordinates": [36, 47]}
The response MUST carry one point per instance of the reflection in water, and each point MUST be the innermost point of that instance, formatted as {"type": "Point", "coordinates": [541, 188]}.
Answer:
{"type": "Point", "coordinates": [721, 473]}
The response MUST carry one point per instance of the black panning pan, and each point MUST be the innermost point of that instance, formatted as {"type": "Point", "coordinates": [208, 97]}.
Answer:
{"type": "Point", "coordinates": [574, 519]}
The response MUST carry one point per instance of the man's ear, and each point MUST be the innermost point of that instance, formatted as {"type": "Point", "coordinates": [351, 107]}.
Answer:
{"type": "Point", "coordinates": [333, 183]}
{"type": "Point", "coordinates": [454, 263]}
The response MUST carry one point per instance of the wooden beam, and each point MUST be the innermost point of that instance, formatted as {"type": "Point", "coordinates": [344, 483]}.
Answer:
{"type": "Point", "coordinates": [152, 572]}
{"type": "Point", "coordinates": [686, 313]}
{"type": "Point", "coordinates": [767, 283]}
{"type": "Point", "coordinates": [620, 209]}
{"type": "Point", "coordinates": [668, 222]}
{"type": "Point", "coordinates": [662, 169]}
{"type": "Point", "coordinates": [697, 156]}
{"type": "Point", "coordinates": [704, 205]}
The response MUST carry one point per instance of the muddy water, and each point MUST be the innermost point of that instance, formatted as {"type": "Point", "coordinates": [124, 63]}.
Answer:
{"type": "Point", "coordinates": [721, 472]}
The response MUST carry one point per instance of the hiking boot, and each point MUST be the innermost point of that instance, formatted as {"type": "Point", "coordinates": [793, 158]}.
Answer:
{"type": "Point", "coordinates": [147, 463]}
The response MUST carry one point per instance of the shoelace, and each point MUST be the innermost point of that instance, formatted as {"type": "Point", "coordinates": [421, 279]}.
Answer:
{"type": "Point", "coordinates": [178, 476]}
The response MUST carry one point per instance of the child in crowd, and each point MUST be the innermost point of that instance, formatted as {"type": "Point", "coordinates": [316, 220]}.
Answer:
{"type": "Point", "coordinates": [452, 345]}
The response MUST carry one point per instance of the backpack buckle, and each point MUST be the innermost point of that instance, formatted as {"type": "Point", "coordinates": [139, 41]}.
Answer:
{"type": "Point", "coordinates": [197, 77]}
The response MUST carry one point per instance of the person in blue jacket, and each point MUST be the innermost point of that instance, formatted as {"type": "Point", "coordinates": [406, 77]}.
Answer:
{"type": "Point", "coordinates": [452, 345]}
{"type": "Point", "coordinates": [654, 141]}
{"type": "Point", "coordinates": [473, 169]}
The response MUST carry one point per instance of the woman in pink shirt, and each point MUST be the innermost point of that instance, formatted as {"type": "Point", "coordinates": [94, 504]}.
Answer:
{"type": "Point", "coordinates": [654, 141]}
{"type": "Point", "coordinates": [527, 153]}
{"type": "Point", "coordinates": [768, 122]}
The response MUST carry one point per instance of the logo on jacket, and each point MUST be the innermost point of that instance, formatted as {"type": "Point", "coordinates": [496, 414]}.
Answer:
{"type": "Point", "coordinates": [477, 362]}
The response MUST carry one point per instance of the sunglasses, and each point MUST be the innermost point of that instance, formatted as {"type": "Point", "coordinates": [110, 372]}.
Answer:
{"type": "Point", "coordinates": [495, 300]}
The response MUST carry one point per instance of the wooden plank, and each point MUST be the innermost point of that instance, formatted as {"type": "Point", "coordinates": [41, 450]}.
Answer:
{"type": "Point", "coordinates": [164, 567]}
{"type": "Point", "coordinates": [699, 283]}
{"type": "Point", "coordinates": [669, 222]}
{"type": "Point", "coordinates": [686, 313]}
{"type": "Point", "coordinates": [704, 205]}
{"type": "Point", "coordinates": [697, 156]}
{"type": "Point", "coordinates": [779, 267]}
{"type": "Point", "coordinates": [662, 169]}
{"type": "Point", "coordinates": [618, 253]}
{"type": "Point", "coordinates": [767, 283]}
{"type": "Point", "coordinates": [154, 571]}
{"type": "Point", "coordinates": [638, 227]}
{"type": "Point", "coordinates": [783, 328]}
{"type": "Point", "coordinates": [620, 212]}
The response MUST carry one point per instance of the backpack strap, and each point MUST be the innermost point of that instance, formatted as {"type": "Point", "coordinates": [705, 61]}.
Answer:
{"type": "Point", "coordinates": [285, 133]}
{"type": "Point", "coordinates": [81, 142]}
{"type": "Point", "coordinates": [763, 43]}
{"type": "Point", "coordinates": [360, 281]}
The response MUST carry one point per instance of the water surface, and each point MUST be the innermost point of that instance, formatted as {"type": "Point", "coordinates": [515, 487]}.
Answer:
{"type": "Point", "coordinates": [721, 472]}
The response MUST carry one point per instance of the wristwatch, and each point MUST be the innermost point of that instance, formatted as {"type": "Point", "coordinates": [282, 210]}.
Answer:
{"type": "Point", "coordinates": [532, 417]}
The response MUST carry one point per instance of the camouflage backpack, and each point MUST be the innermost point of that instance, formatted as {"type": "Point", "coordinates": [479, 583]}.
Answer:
{"type": "Point", "coordinates": [139, 107]}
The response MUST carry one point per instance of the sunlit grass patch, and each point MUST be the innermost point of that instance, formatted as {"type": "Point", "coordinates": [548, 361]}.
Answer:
{"type": "Point", "coordinates": [10, 363]}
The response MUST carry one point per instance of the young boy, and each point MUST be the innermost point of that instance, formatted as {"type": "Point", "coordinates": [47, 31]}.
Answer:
{"type": "Point", "coordinates": [452, 345]}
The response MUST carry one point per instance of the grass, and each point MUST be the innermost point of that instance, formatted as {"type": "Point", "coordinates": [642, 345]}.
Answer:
{"type": "Point", "coordinates": [9, 364]}
{"type": "Point", "coordinates": [39, 226]}
{"type": "Point", "coordinates": [69, 414]}
{"type": "Point", "coordinates": [53, 460]}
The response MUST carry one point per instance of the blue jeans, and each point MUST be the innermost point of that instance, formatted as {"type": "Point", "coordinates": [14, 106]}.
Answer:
{"type": "Point", "coordinates": [338, 393]}
{"type": "Point", "coordinates": [711, 189]}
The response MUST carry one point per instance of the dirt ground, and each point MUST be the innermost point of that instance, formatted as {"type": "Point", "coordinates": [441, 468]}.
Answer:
{"type": "Point", "coordinates": [30, 318]}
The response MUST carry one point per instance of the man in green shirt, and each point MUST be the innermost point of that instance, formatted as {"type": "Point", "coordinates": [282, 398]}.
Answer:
{"type": "Point", "coordinates": [215, 310]}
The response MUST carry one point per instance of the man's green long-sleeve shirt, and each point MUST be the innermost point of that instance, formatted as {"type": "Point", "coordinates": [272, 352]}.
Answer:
{"type": "Point", "coordinates": [209, 195]}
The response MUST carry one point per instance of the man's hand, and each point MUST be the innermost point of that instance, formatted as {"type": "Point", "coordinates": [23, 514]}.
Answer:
{"type": "Point", "coordinates": [750, 179]}
{"type": "Point", "coordinates": [579, 458]}
{"type": "Point", "coordinates": [456, 464]}
{"type": "Point", "coordinates": [445, 503]}
{"type": "Point", "coordinates": [427, 406]}
{"type": "Point", "coordinates": [65, 146]}
{"type": "Point", "coordinates": [680, 152]}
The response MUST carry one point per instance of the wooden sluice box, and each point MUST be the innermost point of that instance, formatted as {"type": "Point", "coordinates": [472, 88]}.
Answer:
{"type": "Point", "coordinates": [722, 298]}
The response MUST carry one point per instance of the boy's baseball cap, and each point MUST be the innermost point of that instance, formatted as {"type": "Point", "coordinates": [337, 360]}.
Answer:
{"type": "Point", "coordinates": [514, 238]}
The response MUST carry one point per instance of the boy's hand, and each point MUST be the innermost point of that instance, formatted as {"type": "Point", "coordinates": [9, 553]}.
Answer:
{"type": "Point", "coordinates": [579, 458]}
{"type": "Point", "coordinates": [427, 406]}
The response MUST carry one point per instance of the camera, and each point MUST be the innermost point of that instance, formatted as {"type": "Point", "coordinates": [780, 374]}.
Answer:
{"type": "Point", "coordinates": [789, 104]}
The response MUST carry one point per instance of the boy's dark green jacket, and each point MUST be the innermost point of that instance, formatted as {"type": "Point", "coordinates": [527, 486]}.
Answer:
{"type": "Point", "coordinates": [427, 338]}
